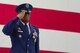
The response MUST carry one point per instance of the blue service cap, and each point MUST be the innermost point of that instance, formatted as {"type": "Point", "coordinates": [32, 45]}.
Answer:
{"type": "Point", "coordinates": [25, 6]}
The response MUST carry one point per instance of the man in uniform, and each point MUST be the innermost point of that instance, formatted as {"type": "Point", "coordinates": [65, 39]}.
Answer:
{"type": "Point", "coordinates": [24, 36]}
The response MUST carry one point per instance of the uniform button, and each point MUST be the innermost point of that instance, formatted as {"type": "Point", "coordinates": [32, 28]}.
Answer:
{"type": "Point", "coordinates": [28, 45]}
{"type": "Point", "coordinates": [28, 39]}
{"type": "Point", "coordinates": [20, 36]}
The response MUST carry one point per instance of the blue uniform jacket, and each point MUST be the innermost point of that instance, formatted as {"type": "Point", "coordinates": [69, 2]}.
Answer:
{"type": "Point", "coordinates": [22, 42]}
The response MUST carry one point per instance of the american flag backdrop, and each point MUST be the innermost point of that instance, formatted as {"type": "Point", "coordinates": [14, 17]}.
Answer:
{"type": "Point", "coordinates": [57, 20]}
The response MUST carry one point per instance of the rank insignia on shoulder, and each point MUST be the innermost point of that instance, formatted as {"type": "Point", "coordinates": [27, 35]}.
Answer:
{"type": "Point", "coordinates": [19, 30]}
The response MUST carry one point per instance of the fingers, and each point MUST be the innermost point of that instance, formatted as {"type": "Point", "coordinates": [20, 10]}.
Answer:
{"type": "Point", "coordinates": [21, 14]}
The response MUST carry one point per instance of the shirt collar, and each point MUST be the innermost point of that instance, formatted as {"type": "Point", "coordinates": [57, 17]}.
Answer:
{"type": "Point", "coordinates": [24, 23]}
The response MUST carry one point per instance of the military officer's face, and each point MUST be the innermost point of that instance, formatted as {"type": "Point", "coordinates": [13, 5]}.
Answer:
{"type": "Point", "coordinates": [26, 16]}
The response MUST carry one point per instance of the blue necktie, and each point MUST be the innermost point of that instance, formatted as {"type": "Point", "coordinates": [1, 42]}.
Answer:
{"type": "Point", "coordinates": [26, 29]}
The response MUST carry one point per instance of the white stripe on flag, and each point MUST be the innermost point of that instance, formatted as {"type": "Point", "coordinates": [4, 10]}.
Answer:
{"type": "Point", "coordinates": [63, 5]}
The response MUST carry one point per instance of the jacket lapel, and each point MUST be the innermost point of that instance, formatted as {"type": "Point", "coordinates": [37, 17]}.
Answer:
{"type": "Point", "coordinates": [31, 29]}
{"type": "Point", "coordinates": [23, 29]}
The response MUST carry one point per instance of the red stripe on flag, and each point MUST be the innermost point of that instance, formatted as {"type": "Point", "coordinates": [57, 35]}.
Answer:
{"type": "Point", "coordinates": [45, 18]}
{"type": "Point", "coordinates": [7, 50]}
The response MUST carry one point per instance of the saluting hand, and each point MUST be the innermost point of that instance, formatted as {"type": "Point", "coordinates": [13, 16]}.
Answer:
{"type": "Point", "coordinates": [21, 14]}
